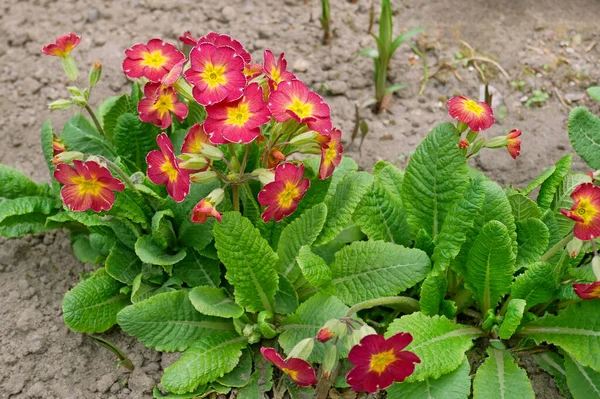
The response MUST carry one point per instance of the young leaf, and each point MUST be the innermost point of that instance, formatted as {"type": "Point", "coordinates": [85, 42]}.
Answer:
{"type": "Point", "coordinates": [207, 359]}
{"type": "Point", "coordinates": [536, 285]}
{"type": "Point", "coordinates": [343, 203]}
{"type": "Point", "coordinates": [433, 291]}
{"type": "Point", "coordinates": [169, 322]}
{"type": "Point", "coordinates": [162, 229]}
{"type": "Point", "coordinates": [403, 37]}
{"type": "Point", "coordinates": [499, 377]}
{"type": "Point", "coordinates": [151, 252]}
{"type": "Point", "coordinates": [369, 269]}
{"type": "Point", "coordinates": [575, 329]}
{"type": "Point", "coordinates": [123, 264]}
{"type": "Point", "coordinates": [435, 178]}
{"type": "Point", "coordinates": [313, 267]}
{"type": "Point", "coordinates": [539, 180]}
{"type": "Point", "coordinates": [532, 238]}
{"type": "Point", "coordinates": [79, 135]}
{"type": "Point", "coordinates": [249, 260]}
{"type": "Point", "coordinates": [583, 382]}
{"type": "Point", "coordinates": [437, 341]}
{"type": "Point", "coordinates": [134, 139]}
{"type": "Point", "coordinates": [554, 365]}
{"type": "Point", "coordinates": [523, 207]}
{"type": "Point", "coordinates": [196, 270]}
{"type": "Point", "coordinates": [584, 132]}
{"type": "Point", "coordinates": [548, 189]}
{"type": "Point", "coordinates": [215, 302]}
{"type": "Point", "coordinates": [454, 385]}
{"type": "Point", "coordinates": [512, 318]}
{"type": "Point", "coordinates": [459, 221]}
{"type": "Point", "coordinates": [490, 265]}
{"type": "Point", "coordinates": [92, 305]}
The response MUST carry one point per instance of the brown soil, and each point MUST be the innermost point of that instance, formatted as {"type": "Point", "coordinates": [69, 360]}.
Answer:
{"type": "Point", "coordinates": [549, 44]}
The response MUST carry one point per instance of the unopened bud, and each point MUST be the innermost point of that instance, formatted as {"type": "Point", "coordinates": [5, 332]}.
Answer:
{"type": "Point", "coordinates": [463, 144]}
{"type": "Point", "coordinates": [216, 196]}
{"type": "Point", "coordinates": [95, 73]}
{"type": "Point", "coordinates": [79, 100]}
{"type": "Point", "coordinates": [477, 145]}
{"type": "Point", "coordinates": [312, 148]}
{"type": "Point", "coordinates": [355, 338]}
{"type": "Point", "coordinates": [264, 176]}
{"type": "Point", "coordinates": [211, 152]}
{"type": "Point", "coordinates": [574, 247]}
{"type": "Point", "coordinates": [332, 328]}
{"type": "Point", "coordinates": [497, 142]}
{"type": "Point", "coordinates": [67, 156]}
{"type": "Point", "coordinates": [461, 126]}
{"type": "Point", "coordinates": [203, 177]}
{"type": "Point", "coordinates": [60, 104]}
{"type": "Point", "coordinates": [74, 90]}
{"type": "Point", "coordinates": [304, 138]}
{"type": "Point", "coordinates": [330, 361]}
{"type": "Point", "coordinates": [193, 161]}
{"type": "Point", "coordinates": [303, 349]}
{"type": "Point", "coordinates": [596, 267]}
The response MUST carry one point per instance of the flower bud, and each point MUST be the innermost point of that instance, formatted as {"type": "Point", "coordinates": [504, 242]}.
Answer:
{"type": "Point", "coordinates": [497, 142]}
{"type": "Point", "coordinates": [471, 136]}
{"type": "Point", "coordinates": [330, 361]}
{"type": "Point", "coordinates": [79, 100]}
{"type": "Point", "coordinates": [304, 138]}
{"type": "Point", "coordinates": [60, 104]}
{"type": "Point", "coordinates": [596, 267]}
{"type": "Point", "coordinates": [331, 329]}
{"type": "Point", "coordinates": [574, 247]}
{"type": "Point", "coordinates": [264, 176]}
{"type": "Point", "coordinates": [303, 349]}
{"type": "Point", "coordinates": [463, 144]}
{"type": "Point", "coordinates": [355, 338]}
{"type": "Point", "coordinates": [311, 148]}
{"type": "Point", "coordinates": [477, 145]}
{"type": "Point", "coordinates": [216, 196]}
{"type": "Point", "coordinates": [193, 161]}
{"type": "Point", "coordinates": [95, 73]}
{"type": "Point", "coordinates": [203, 177]}
{"type": "Point", "coordinates": [67, 156]}
{"type": "Point", "coordinates": [74, 90]}
{"type": "Point", "coordinates": [211, 152]}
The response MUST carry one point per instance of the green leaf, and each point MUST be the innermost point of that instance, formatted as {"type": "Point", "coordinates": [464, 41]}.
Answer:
{"type": "Point", "coordinates": [433, 291]}
{"type": "Point", "coordinates": [343, 203]}
{"type": "Point", "coordinates": [249, 260]}
{"type": "Point", "coordinates": [523, 207]}
{"type": "Point", "coordinates": [403, 37]}
{"type": "Point", "coordinates": [584, 132]}
{"type": "Point", "coordinates": [435, 178]}
{"type": "Point", "coordinates": [14, 184]}
{"type": "Point", "coordinates": [512, 318]}
{"type": "Point", "coordinates": [196, 113]}
{"type": "Point", "coordinates": [208, 359]}
{"type": "Point", "coordinates": [369, 52]}
{"type": "Point", "coordinates": [370, 269]}
{"type": "Point", "coordinates": [240, 375]}
{"type": "Point", "coordinates": [308, 320]}
{"type": "Point", "coordinates": [345, 168]}
{"type": "Point", "coordinates": [538, 181]}
{"type": "Point", "coordinates": [83, 251]}
{"type": "Point", "coordinates": [437, 341]}
{"type": "Point", "coordinates": [499, 377]}
{"type": "Point", "coordinates": [286, 298]}
{"type": "Point", "coordinates": [162, 229]}
{"type": "Point", "coordinates": [302, 231]}
{"type": "Point", "coordinates": [47, 149]}
{"type": "Point", "coordinates": [169, 322]}
{"type": "Point", "coordinates": [548, 189]}
{"type": "Point", "coordinates": [260, 382]}
{"type": "Point", "coordinates": [490, 265]}
{"type": "Point", "coordinates": [536, 285]}
{"type": "Point", "coordinates": [594, 92]}
{"type": "Point", "coordinates": [575, 329]}
{"type": "Point", "coordinates": [313, 267]}
{"type": "Point", "coordinates": [92, 305]}
{"type": "Point", "coordinates": [125, 230]}
{"type": "Point", "coordinates": [583, 382]}
{"type": "Point", "coordinates": [454, 385]}
{"type": "Point", "coordinates": [196, 270]}
{"type": "Point", "coordinates": [109, 119]}
{"type": "Point", "coordinates": [532, 238]}
{"type": "Point", "coordinates": [25, 215]}
{"type": "Point", "coordinates": [134, 139]}
{"type": "Point", "coordinates": [460, 219]}
{"type": "Point", "coordinates": [553, 364]}
{"type": "Point", "coordinates": [123, 264]}
{"type": "Point", "coordinates": [131, 205]}
{"type": "Point", "coordinates": [151, 252]}
{"type": "Point", "coordinates": [79, 135]}
{"type": "Point", "coordinates": [215, 302]}
{"type": "Point", "coordinates": [142, 290]}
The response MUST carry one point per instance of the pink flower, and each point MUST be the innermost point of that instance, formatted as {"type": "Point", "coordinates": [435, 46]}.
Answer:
{"type": "Point", "coordinates": [276, 71]}
{"type": "Point", "coordinates": [152, 60]}
{"type": "Point", "coordinates": [281, 196]}
{"type": "Point", "coordinates": [299, 370]}
{"type": "Point", "coordinates": [478, 115]}
{"type": "Point", "coordinates": [159, 103]}
{"type": "Point", "coordinates": [63, 46]}
{"type": "Point", "coordinates": [163, 168]}
{"type": "Point", "coordinates": [226, 41]}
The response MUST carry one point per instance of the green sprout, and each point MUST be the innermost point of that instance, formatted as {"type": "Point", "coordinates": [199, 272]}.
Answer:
{"type": "Point", "coordinates": [326, 21]}
{"type": "Point", "coordinates": [538, 98]}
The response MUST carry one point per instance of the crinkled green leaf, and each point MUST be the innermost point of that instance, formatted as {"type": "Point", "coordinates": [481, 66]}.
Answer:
{"type": "Point", "coordinates": [435, 178]}
{"type": "Point", "coordinates": [162, 228]}
{"type": "Point", "coordinates": [575, 329]}
{"type": "Point", "coordinates": [343, 203]}
{"type": "Point", "coordinates": [25, 215]}
{"type": "Point", "coordinates": [196, 270]}
{"type": "Point", "coordinates": [240, 375]}
{"type": "Point", "coordinates": [460, 219]}
{"type": "Point", "coordinates": [142, 290]}
{"type": "Point", "coordinates": [554, 365]}
{"type": "Point", "coordinates": [14, 184]}
{"type": "Point", "coordinates": [453, 385]}
{"type": "Point", "coordinates": [151, 252]}
{"type": "Point", "coordinates": [79, 135]}
{"type": "Point", "coordinates": [523, 207]}
{"type": "Point", "coordinates": [286, 298]}
{"type": "Point", "coordinates": [499, 377]}
{"type": "Point", "coordinates": [313, 267]}
{"type": "Point", "coordinates": [260, 382]}
{"type": "Point", "coordinates": [490, 265]}
{"type": "Point", "coordinates": [47, 136]}
{"type": "Point", "coordinates": [83, 251]}
{"type": "Point", "coordinates": [345, 168]}
{"type": "Point", "coordinates": [437, 341]}
{"type": "Point", "coordinates": [131, 205]}
{"type": "Point", "coordinates": [532, 237]}
{"type": "Point", "coordinates": [134, 139]}
{"type": "Point", "coordinates": [512, 318]}
{"type": "Point", "coordinates": [370, 269]}
{"type": "Point", "coordinates": [548, 188]}
{"type": "Point", "coordinates": [390, 177]}
{"type": "Point", "coordinates": [249, 260]}
{"type": "Point", "coordinates": [207, 359]}
{"type": "Point", "coordinates": [123, 264]}
{"type": "Point", "coordinates": [433, 291]}
{"type": "Point", "coordinates": [584, 132]}
{"type": "Point", "coordinates": [215, 302]}
{"type": "Point", "coordinates": [583, 382]}
{"type": "Point", "coordinates": [538, 181]}
{"type": "Point", "coordinates": [111, 114]}
{"type": "Point", "coordinates": [125, 230]}
{"type": "Point", "coordinates": [169, 322]}
{"type": "Point", "coordinates": [536, 285]}
{"type": "Point", "coordinates": [92, 305]}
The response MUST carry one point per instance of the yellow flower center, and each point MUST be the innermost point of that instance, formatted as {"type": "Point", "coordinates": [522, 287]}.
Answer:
{"type": "Point", "coordinates": [275, 75]}
{"type": "Point", "coordinates": [239, 115]}
{"type": "Point", "coordinates": [164, 104]}
{"type": "Point", "coordinates": [381, 361]}
{"type": "Point", "coordinates": [169, 169]}
{"type": "Point", "coordinates": [155, 59]}
{"type": "Point", "coordinates": [330, 153]}
{"type": "Point", "coordinates": [473, 107]}
{"type": "Point", "coordinates": [586, 210]}
{"type": "Point", "coordinates": [292, 373]}
{"type": "Point", "coordinates": [288, 195]}
{"type": "Point", "coordinates": [85, 186]}
{"type": "Point", "coordinates": [214, 75]}
{"type": "Point", "coordinates": [303, 110]}
{"type": "Point", "coordinates": [596, 292]}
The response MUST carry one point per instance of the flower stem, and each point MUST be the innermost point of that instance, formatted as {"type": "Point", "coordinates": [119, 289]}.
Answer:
{"type": "Point", "coordinates": [409, 305]}
{"type": "Point", "coordinates": [93, 115]}
{"type": "Point", "coordinates": [235, 189]}
{"type": "Point", "coordinates": [557, 247]}
{"type": "Point", "coordinates": [119, 171]}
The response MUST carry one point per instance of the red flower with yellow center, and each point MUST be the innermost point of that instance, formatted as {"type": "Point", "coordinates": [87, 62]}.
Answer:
{"type": "Point", "coordinates": [226, 41]}
{"type": "Point", "coordinates": [276, 71]}
{"type": "Point", "coordinates": [194, 140]}
{"type": "Point", "coordinates": [514, 143]}
{"type": "Point", "coordinates": [152, 60]}
{"type": "Point", "coordinates": [478, 115]}
{"type": "Point", "coordinates": [238, 121]}
{"type": "Point", "coordinates": [163, 168]}
{"type": "Point", "coordinates": [217, 74]}
{"type": "Point", "coordinates": [159, 103]}
{"type": "Point", "coordinates": [88, 185]}
{"type": "Point", "coordinates": [252, 70]}
{"type": "Point", "coordinates": [380, 362]}
{"type": "Point", "coordinates": [299, 370]}
{"type": "Point", "coordinates": [331, 153]}
{"type": "Point", "coordinates": [57, 146]}
{"type": "Point", "coordinates": [63, 45]}
{"type": "Point", "coordinates": [588, 291]}
{"type": "Point", "coordinates": [206, 208]}
{"type": "Point", "coordinates": [281, 196]}
{"type": "Point", "coordinates": [585, 211]}
{"type": "Point", "coordinates": [292, 99]}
